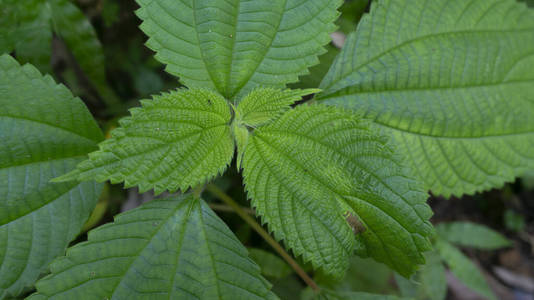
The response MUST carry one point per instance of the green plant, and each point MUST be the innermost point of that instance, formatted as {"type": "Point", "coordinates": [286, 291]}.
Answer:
{"type": "Point", "coordinates": [421, 97]}
{"type": "Point", "coordinates": [432, 282]}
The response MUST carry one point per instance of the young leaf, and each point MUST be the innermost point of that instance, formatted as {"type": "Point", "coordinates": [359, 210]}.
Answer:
{"type": "Point", "coordinates": [175, 248]}
{"type": "Point", "coordinates": [451, 80]}
{"type": "Point", "coordinates": [234, 46]}
{"type": "Point", "coordinates": [175, 141]}
{"type": "Point", "coordinates": [467, 234]}
{"type": "Point", "coordinates": [305, 170]}
{"type": "Point", "coordinates": [266, 104]}
{"type": "Point", "coordinates": [462, 267]}
{"type": "Point", "coordinates": [45, 132]}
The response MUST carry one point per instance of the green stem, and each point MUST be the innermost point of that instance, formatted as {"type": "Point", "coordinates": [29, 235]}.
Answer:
{"type": "Point", "coordinates": [264, 234]}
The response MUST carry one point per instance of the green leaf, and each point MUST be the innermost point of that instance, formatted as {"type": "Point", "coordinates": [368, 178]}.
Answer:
{"type": "Point", "coordinates": [467, 234]}
{"type": "Point", "coordinates": [430, 282]}
{"type": "Point", "coordinates": [80, 37]}
{"type": "Point", "coordinates": [26, 28]}
{"type": "Point", "coordinates": [305, 170]}
{"type": "Point", "coordinates": [433, 279]}
{"type": "Point", "coordinates": [344, 295]}
{"type": "Point", "coordinates": [317, 72]}
{"type": "Point", "coordinates": [271, 265]}
{"type": "Point", "coordinates": [358, 277]}
{"type": "Point", "coordinates": [29, 26]}
{"type": "Point", "coordinates": [451, 80]}
{"type": "Point", "coordinates": [236, 45]}
{"type": "Point", "coordinates": [175, 141]}
{"type": "Point", "coordinates": [263, 105]}
{"type": "Point", "coordinates": [45, 132]}
{"type": "Point", "coordinates": [174, 248]}
{"type": "Point", "coordinates": [462, 267]}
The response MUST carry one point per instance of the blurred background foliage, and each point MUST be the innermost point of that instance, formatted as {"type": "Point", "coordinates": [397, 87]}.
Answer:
{"type": "Point", "coordinates": [96, 48]}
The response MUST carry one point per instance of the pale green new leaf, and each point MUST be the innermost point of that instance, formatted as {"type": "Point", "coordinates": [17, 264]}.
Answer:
{"type": "Point", "coordinates": [263, 105]}
{"type": "Point", "coordinates": [462, 267]}
{"type": "Point", "coordinates": [175, 248]}
{"type": "Point", "coordinates": [175, 141]}
{"type": "Point", "coordinates": [45, 132]}
{"type": "Point", "coordinates": [271, 265]}
{"type": "Point", "coordinates": [234, 46]}
{"type": "Point", "coordinates": [313, 164]}
{"type": "Point", "coordinates": [467, 234]}
{"type": "Point", "coordinates": [451, 80]}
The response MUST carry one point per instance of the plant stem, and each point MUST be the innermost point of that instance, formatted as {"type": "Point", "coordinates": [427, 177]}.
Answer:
{"type": "Point", "coordinates": [264, 234]}
{"type": "Point", "coordinates": [226, 208]}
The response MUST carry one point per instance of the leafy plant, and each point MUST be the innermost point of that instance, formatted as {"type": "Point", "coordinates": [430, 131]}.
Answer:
{"type": "Point", "coordinates": [433, 284]}
{"type": "Point", "coordinates": [421, 97]}
{"type": "Point", "coordinates": [28, 27]}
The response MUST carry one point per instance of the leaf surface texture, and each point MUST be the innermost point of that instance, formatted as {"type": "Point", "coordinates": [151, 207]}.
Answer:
{"type": "Point", "coordinates": [45, 131]}
{"type": "Point", "coordinates": [174, 248]}
{"type": "Point", "coordinates": [451, 80]}
{"type": "Point", "coordinates": [305, 170]}
{"type": "Point", "coordinates": [175, 141]}
{"type": "Point", "coordinates": [234, 46]}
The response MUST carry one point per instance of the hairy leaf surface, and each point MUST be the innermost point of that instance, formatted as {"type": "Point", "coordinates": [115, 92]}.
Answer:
{"type": "Point", "coordinates": [175, 141]}
{"type": "Point", "coordinates": [467, 234]}
{"type": "Point", "coordinates": [304, 171]}
{"type": "Point", "coordinates": [462, 267]}
{"type": "Point", "coordinates": [266, 104]}
{"type": "Point", "coordinates": [175, 248]}
{"type": "Point", "coordinates": [236, 45]}
{"type": "Point", "coordinates": [45, 132]}
{"type": "Point", "coordinates": [451, 80]}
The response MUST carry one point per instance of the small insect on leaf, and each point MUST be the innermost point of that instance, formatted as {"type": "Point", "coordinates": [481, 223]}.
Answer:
{"type": "Point", "coordinates": [357, 226]}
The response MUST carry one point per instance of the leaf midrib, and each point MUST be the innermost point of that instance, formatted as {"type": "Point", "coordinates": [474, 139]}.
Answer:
{"type": "Point", "coordinates": [421, 38]}
{"type": "Point", "coordinates": [455, 138]}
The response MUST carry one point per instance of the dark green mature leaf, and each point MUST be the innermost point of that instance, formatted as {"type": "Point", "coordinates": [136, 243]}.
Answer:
{"type": "Point", "coordinates": [467, 234]}
{"type": "Point", "coordinates": [45, 132]}
{"type": "Point", "coordinates": [27, 27]}
{"type": "Point", "coordinates": [451, 80]}
{"type": "Point", "coordinates": [313, 164]}
{"type": "Point", "coordinates": [236, 45]}
{"type": "Point", "coordinates": [175, 141]}
{"type": "Point", "coordinates": [174, 248]}
{"type": "Point", "coordinates": [462, 267]}
{"type": "Point", "coordinates": [75, 29]}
